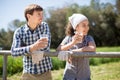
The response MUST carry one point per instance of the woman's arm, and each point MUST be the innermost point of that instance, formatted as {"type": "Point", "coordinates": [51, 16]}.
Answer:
{"type": "Point", "coordinates": [63, 47]}
{"type": "Point", "coordinates": [90, 48]}
{"type": "Point", "coordinates": [75, 40]}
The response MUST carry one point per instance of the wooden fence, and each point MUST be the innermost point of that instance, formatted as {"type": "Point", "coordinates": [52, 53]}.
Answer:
{"type": "Point", "coordinates": [6, 53]}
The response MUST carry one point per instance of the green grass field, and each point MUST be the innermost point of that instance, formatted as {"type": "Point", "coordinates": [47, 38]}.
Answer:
{"type": "Point", "coordinates": [108, 71]}
{"type": "Point", "coordinates": [108, 49]}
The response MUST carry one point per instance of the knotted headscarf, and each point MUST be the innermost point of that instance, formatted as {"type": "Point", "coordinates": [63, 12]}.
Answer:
{"type": "Point", "coordinates": [75, 19]}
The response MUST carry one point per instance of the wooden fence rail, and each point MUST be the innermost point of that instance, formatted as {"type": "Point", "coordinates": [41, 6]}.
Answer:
{"type": "Point", "coordinates": [6, 53]}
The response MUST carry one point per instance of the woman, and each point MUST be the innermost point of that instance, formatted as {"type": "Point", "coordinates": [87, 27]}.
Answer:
{"type": "Point", "coordinates": [77, 40]}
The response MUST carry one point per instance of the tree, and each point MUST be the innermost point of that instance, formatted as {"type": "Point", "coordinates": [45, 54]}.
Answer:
{"type": "Point", "coordinates": [118, 6]}
{"type": "Point", "coordinates": [6, 37]}
{"type": "Point", "coordinates": [13, 25]}
{"type": "Point", "coordinates": [57, 22]}
{"type": "Point", "coordinates": [104, 23]}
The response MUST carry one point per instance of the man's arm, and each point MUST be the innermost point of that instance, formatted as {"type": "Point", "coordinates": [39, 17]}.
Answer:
{"type": "Point", "coordinates": [16, 49]}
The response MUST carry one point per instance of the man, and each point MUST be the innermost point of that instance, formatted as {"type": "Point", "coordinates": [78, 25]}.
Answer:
{"type": "Point", "coordinates": [27, 39]}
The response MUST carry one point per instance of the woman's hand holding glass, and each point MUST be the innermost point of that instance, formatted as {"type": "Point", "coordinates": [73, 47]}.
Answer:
{"type": "Point", "coordinates": [77, 38]}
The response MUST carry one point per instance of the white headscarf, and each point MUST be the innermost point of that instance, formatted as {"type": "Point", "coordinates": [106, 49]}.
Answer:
{"type": "Point", "coordinates": [75, 19]}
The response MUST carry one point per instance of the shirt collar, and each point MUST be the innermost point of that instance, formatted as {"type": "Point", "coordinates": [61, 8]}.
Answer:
{"type": "Point", "coordinates": [26, 27]}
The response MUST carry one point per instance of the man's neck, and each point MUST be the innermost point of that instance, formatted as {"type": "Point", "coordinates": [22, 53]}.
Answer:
{"type": "Point", "coordinates": [32, 26]}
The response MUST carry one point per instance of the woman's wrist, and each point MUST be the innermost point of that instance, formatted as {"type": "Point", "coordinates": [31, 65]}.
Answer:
{"type": "Point", "coordinates": [78, 50]}
{"type": "Point", "coordinates": [72, 43]}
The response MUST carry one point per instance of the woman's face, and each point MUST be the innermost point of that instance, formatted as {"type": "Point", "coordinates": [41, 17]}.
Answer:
{"type": "Point", "coordinates": [83, 27]}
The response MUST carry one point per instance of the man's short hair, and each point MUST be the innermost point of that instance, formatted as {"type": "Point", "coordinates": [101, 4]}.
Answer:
{"type": "Point", "coordinates": [31, 8]}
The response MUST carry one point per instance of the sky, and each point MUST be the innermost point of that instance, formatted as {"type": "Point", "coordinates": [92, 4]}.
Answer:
{"type": "Point", "coordinates": [14, 9]}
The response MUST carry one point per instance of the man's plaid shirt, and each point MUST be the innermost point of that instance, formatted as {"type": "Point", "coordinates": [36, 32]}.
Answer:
{"type": "Point", "coordinates": [23, 38]}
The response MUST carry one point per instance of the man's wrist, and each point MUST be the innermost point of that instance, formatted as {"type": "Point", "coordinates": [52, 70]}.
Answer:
{"type": "Point", "coordinates": [31, 48]}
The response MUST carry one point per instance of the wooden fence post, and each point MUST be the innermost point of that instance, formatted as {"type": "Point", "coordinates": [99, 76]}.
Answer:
{"type": "Point", "coordinates": [5, 67]}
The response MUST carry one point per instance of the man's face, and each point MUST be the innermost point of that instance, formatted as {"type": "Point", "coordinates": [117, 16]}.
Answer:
{"type": "Point", "coordinates": [36, 18]}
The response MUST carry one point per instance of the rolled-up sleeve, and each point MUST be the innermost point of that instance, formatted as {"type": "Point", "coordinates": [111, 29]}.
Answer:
{"type": "Point", "coordinates": [16, 48]}
{"type": "Point", "coordinates": [65, 40]}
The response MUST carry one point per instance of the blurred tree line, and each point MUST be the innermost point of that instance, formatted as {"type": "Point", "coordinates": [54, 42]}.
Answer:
{"type": "Point", "coordinates": [104, 23]}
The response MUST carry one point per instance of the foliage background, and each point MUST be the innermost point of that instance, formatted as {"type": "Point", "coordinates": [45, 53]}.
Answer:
{"type": "Point", "coordinates": [104, 27]}
{"type": "Point", "coordinates": [104, 23]}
